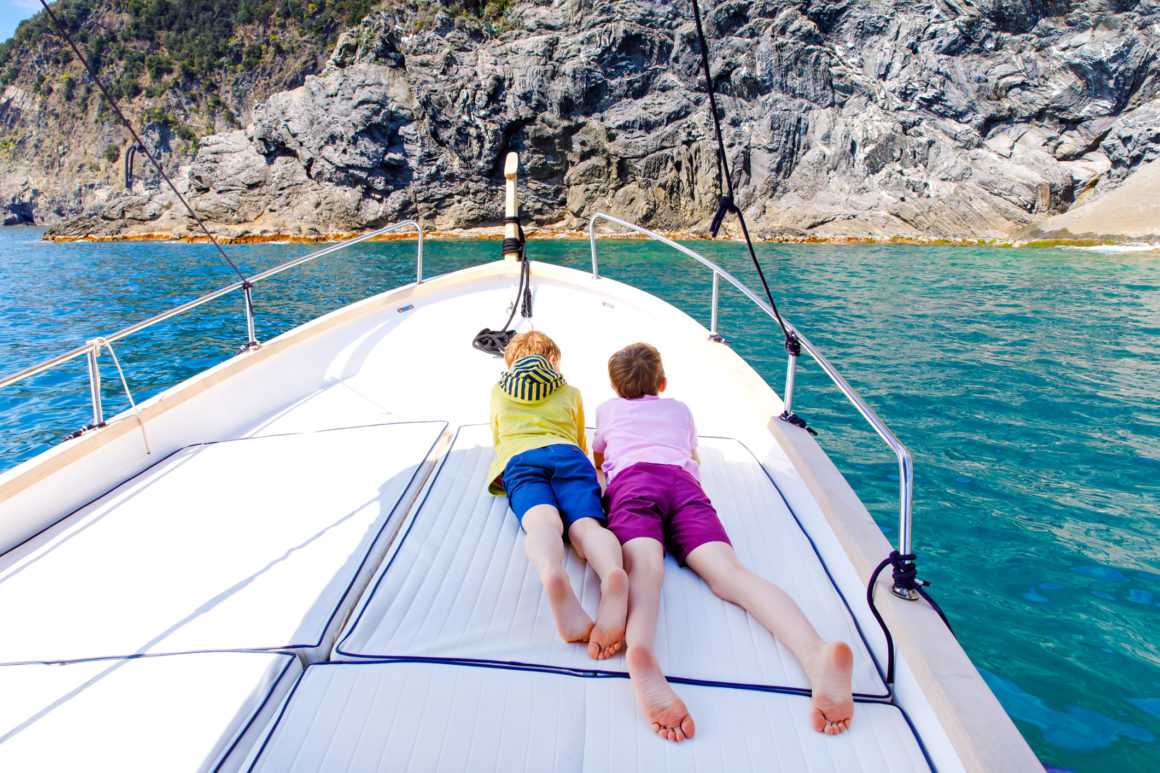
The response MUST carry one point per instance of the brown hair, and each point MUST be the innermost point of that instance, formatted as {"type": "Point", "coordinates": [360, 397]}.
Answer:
{"type": "Point", "coordinates": [531, 342]}
{"type": "Point", "coordinates": [636, 371]}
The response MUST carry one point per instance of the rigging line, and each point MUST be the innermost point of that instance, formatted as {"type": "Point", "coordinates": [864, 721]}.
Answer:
{"type": "Point", "coordinates": [722, 162]}
{"type": "Point", "coordinates": [103, 343]}
{"type": "Point", "coordinates": [113, 103]}
{"type": "Point", "coordinates": [727, 203]}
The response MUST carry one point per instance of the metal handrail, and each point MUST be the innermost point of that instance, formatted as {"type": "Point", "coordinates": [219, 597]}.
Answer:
{"type": "Point", "coordinates": [906, 475]}
{"type": "Point", "coordinates": [93, 347]}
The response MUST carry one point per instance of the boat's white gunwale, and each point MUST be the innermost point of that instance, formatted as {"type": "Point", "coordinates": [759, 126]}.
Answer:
{"type": "Point", "coordinates": [975, 723]}
{"type": "Point", "coordinates": [59, 456]}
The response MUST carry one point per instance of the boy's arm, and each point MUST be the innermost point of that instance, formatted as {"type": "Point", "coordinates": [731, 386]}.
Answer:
{"type": "Point", "coordinates": [695, 455]}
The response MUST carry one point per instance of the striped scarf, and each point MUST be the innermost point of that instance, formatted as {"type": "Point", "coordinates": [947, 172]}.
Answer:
{"type": "Point", "coordinates": [531, 380]}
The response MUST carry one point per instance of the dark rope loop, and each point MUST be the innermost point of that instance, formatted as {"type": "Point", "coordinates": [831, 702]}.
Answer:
{"type": "Point", "coordinates": [515, 244]}
{"type": "Point", "coordinates": [797, 421]}
{"type": "Point", "coordinates": [793, 346]}
{"type": "Point", "coordinates": [906, 578]}
{"type": "Point", "coordinates": [495, 341]}
{"type": "Point", "coordinates": [725, 205]}
{"type": "Point", "coordinates": [129, 154]}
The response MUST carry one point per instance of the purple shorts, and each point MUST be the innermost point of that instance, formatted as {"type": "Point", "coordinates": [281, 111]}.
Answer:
{"type": "Point", "coordinates": [664, 502]}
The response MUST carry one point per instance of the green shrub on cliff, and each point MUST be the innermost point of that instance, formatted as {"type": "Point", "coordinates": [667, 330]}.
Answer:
{"type": "Point", "coordinates": [194, 36]}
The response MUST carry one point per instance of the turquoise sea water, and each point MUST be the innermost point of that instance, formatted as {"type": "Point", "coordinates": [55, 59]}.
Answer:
{"type": "Point", "coordinates": [1024, 382]}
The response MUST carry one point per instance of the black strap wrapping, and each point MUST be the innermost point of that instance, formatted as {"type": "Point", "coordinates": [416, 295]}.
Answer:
{"type": "Point", "coordinates": [495, 341]}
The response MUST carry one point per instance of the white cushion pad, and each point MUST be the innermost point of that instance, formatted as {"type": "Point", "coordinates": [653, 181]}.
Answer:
{"type": "Point", "coordinates": [229, 545]}
{"type": "Point", "coordinates": [178, 712]}
{"type": "Point", "coordinates": [457, 584]}
{"type": "Point", "coordinates": [442, 717]}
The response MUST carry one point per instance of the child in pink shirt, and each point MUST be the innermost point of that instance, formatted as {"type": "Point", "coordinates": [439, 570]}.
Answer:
{"type": "Point", "coordinates": [647, 447]}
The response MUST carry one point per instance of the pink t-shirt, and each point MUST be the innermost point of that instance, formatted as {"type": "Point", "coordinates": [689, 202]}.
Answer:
{"type": "Point", "coordinates": [648, 429]}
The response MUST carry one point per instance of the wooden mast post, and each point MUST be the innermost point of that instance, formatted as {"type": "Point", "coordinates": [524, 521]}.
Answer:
{"type": "Point", "coordinates": [511, 229]}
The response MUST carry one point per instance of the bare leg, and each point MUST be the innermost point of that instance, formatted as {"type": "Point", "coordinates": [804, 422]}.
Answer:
{"type": "Point", "coordinates": [645, 559]}
{"type": "Point", "coordinates": [827, 664]}
{"type": "Point", "coordinates": [544, 547]}
{"type": "Point", "coordinates": [601, 549]}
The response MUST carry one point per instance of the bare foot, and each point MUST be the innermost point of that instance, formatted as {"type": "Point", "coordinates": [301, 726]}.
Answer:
{"type": "Point", "coordinates": [661, 706]}
{"type": "Point", "coordinates": [608, 634]}
{"type": "Point", "coordinates": [832, 704]}
{"type": "Point", "coordinates": [572, 622]}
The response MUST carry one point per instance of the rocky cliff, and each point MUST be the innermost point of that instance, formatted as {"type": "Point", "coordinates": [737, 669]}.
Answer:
{"type": "Point", "coordinates": [179, 70]}
{"type": "Point", "coordinates": [919, 119]}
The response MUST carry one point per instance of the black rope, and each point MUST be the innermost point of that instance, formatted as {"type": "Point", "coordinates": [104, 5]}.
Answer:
{"type": "Point", "coordinates": [113, 104]}
{"type": "Point", "coordinates": [725, 204]}
{"type": "Point", "coordinates": [905, 576]}
{"type": "Point", "coordinates": [495, 341]}
{"type": "Point", "coordinates": [514, 244]}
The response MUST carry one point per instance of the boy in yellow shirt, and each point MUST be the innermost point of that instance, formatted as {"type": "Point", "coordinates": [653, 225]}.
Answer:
{"type": "Point", "coordinates": [537, 425]}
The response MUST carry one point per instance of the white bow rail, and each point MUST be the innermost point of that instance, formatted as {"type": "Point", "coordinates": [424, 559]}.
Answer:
{"type": "Point", "coordinates": [93, 348]}
{"type": "Point", "coordinates": [905, 472]}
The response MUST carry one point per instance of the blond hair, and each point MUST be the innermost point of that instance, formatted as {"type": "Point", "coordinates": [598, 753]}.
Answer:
{"type": "Point", "coordinates": [636, 371]}
{"type": "Point", "coordinates": [529, 343]}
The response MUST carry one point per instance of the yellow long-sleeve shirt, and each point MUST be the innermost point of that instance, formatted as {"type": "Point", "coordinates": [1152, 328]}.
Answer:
{"type": "Point", "coordinates": [520, 426]}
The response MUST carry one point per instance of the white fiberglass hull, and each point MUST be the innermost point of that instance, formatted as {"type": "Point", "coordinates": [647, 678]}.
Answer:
{"type": "Point", "coordinates": [323, 496]}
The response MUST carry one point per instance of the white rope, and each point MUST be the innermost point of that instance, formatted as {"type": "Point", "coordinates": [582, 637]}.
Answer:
{"type": "Point", "coordinates": [101, 343]}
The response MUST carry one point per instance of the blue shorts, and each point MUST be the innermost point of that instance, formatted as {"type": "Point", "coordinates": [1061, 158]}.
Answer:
{"type": "Point", "coordinates": [558, 475]}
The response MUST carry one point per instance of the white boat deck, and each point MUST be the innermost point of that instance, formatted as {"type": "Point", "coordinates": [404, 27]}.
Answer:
{"type": "Point", "coordinates": [349, 523]}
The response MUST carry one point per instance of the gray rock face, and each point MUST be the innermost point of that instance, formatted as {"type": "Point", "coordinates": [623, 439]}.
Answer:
{"type": "Point", "coordinates": [923, 119]}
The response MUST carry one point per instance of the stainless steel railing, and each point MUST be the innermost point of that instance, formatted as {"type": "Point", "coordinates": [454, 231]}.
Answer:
{"type": "Point", "coordinates": [93, 347]}
{"type": "Point", "coordinates": [905, 472]}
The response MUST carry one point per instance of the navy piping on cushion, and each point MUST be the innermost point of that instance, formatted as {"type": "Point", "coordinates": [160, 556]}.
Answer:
{"type": "Point", "coordinates": [853, 617]}
{"type": "Point", "coordinates": [278, 648]}
{"type": "Point", "coordinates": [575, 673]}
{"type": "Point", "coordinates": [419, 510]}
{"type": "Point", "coordinates": [95, 499]}
{"type": "Point", "coordinates": [290, 659]}
{"type": "Point", "coordinates": [590, 673]}
{"type": "Point", "coordinates": [367, 594]}
{"type": "Point", "coordinates": [387, 520]}
{"type": "Point", "coordinates": [281, 714]}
